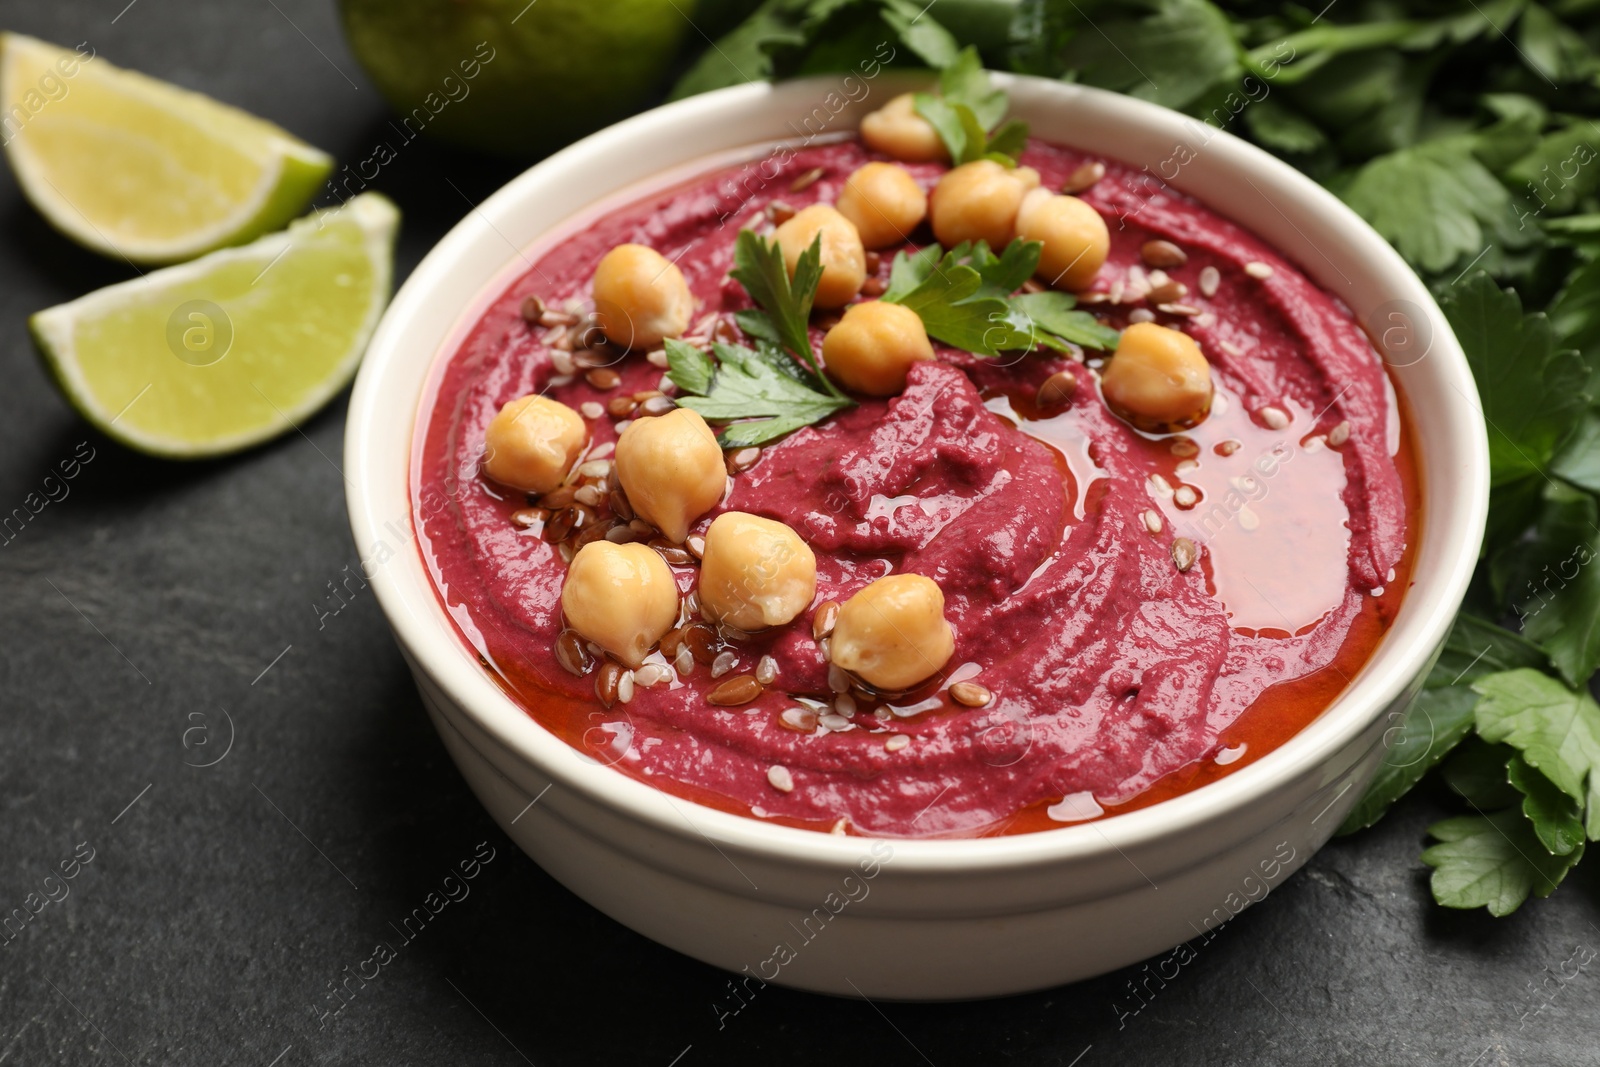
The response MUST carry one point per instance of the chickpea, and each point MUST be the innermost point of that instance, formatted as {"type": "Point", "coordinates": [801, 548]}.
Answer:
{"type": "Point", "coordinates": [532, 444]}
{"type": "Point", "coordinates": [755, 572]}
{"type": "Point", "coordinates": [844, 260]}
{"type": "Point", "coordinates": [978, 201]}
{"type": "Point", "coordinates": [874, 345]}
{"type": "Point", "coordinates": [640, 297]}
{"type": "Point", "coordinates": [885, 203]}
{"type": "Point", "coordinates": [893, 634]}
{"type": "Point", "coordinates": [1073, 233]}
{"type": "Point", "coordinates": [895, 129]}
{"type": "Point", "coordinates": [1157, 377]}
{"type": "Point", "coordinates": [672, 469]}
{"type": "Point", "coordinates": [621, 597]}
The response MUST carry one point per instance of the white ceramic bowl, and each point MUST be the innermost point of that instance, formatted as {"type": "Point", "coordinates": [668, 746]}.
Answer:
{"type": "Point", "coordinates": [914, 919]}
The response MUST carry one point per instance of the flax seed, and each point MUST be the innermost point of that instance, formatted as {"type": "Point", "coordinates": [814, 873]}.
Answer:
{"type": "Point", "coordinates": [740, 689]}
{"type": "Point", "coordinates": [606, 682]}
{"type": "Point", "coordinates": [1057, 389]}
{"type": "Point", "coordinates": [1163, 254]}
{"type": "Point", "coordinates": [571, 654]}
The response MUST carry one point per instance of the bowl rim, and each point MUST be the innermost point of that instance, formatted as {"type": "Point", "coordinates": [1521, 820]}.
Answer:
{"type": "Point", "coordinates": [419, 627]}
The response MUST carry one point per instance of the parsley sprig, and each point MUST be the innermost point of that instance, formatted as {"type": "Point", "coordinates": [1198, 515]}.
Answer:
{"type": "Point", "coordinates": [966, 298]}
{"type": "Point", "coordinates": [967, 109]}
{"type": "Point", "coordinates": [773, 389]}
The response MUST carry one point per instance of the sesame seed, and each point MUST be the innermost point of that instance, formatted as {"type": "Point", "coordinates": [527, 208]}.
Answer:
{"type": "Point", "coordinates": [1184, 446]}
{"type": "Point", "coordinates": [766, 670]}
{"type": "Point", "coordinates": [780, 779]}
{"type": "Point", "coordinates": [591, 410]}
{"type": "Point", "coordinates": [1160, 485]}
{"type": "Point", "coordinates": [1152, 521]}
{"type": "Point", "coordinates": [844, 704]}
{"type": "Point", "coordinates": [625, 687]}
{"type": "Point", "coordinates": [1210, 279]}
{"type": "Point", "coordinates": [657, 358]}
{"type": "Point", "coordinates": [1339, 434]}
{"type": "Point", "coordinates": [896, 742]}
{"type": "Point", "coordinates": [562, 363]}
{"type": "Point", "coordinates": [835, 722]}
{"type": "Point", "coordinates": [1275, 418]}
{"type": "Point", "coordinates": [650, 674]}
{"type": "Point", "coordinates": [1248, 519]}
{"type": "Point", "coordinates": [683, 662]}
{"type": "Point", "coordinates": [1257, 269]}
{"type": "Point", "coordinates": [1141, 315]}
{"type": "Point", "coordinates": [1185, 496]}
{"type": "Point", "coordinates": [1228, 447]}
{"type": "Point", "coordinates": [723, 664]}
{"type": "Point", "coordinates": [838, 681]}
{"type": "Point", "coordinates": [1231, 348]}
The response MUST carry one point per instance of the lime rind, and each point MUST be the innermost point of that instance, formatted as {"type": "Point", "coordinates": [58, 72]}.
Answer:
{"type": "Point", "coordinates": [196, 412]}
{"type": "Point", "coordinates": [288, 172]}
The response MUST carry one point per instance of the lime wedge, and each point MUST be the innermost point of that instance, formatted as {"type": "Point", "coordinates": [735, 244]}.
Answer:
{"type": "Point", "coordinates": [141, 170]}
{"type": "Point", "coordinates": [234, 348]}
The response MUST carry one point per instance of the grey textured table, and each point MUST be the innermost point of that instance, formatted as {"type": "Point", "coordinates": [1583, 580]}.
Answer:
{"type": "Point", "coordinates": [222, 903]}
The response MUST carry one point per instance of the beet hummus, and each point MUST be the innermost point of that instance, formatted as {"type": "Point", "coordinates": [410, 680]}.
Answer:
{"type": "Point", "coordinates": [1134, 611]}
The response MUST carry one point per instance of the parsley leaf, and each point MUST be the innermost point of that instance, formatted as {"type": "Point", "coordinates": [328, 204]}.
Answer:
{"type": "Point", "coordinates": [1492, 861]}
{"type": "Point", "coordinates": [1556, 730]}
{"type": "Point", "coordinates": [1550, 581]}
{"type": "Point", "coordinates": [1053, 316]}
{"type": "Point", "coordinates": [1170, 56]}
{"type": "Point", "coordinates": [964, 298]}
{"type": "Point", "coordinates": [946, 296]}
{"type": "Point", "coordinates": [1435, 202]}
{"type": "Point", "coordinates": [1554, 815]}
{"type": "Point", "coordinates": [761, 393]}
{"type": "Point", "coordinates": [1476, 772]}
{"type": "Point", "coordinates": [785, 315]}
{"type": "Point", "coordinates": [1442, 713]}
{"type": "Point", "coordinates": [1532, 394]}
{"type": "Point", "coordinates": [967, 109]}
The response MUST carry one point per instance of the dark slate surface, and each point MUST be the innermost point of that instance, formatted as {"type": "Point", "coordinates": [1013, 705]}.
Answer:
{"type": "Point", "coordinates": [221, 902]}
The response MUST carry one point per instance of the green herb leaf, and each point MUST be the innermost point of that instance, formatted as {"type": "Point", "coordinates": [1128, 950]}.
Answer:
{"type": "Point", "coordinates": [1441, 714]}
{"type": "Point", "coordinates": [1532, 394]}
{"type": "Point", "coordinates": [948, 301]}
{"type": "Point", "coordinates": [907, 272]}
{"type": "Point", "coordinates": [967, 109]}
{"type": "Point", "coordinates": [965, 82]}
{"type": "Point", "coordinates": [762, 384]}
{"type": "Point", "coordinates": [1434, 202]}
{"type": "Point", "coordinates": [758, 266]}
{"type": "Point", "coordinates": [1555, 729]}
{"type": "Point", "coordinates": [1493, 861]}
{"type": "Point", "coordinates": [1054, 314]}
{"type": "Point", "coordinates": [1550, 580]}
{"type": "Point", "coordinates": [689, 368]}
{"type": "Point", "coordinates": [1554, 815]}
{"type": "Point", "coordinates": [1476, 772]}
{"type": "Point", "coordinates": [1552, 48]}
{"type": "Point", "coordinates": [1170, 56]}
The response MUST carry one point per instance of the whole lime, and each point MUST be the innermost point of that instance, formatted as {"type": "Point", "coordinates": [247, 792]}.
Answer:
{"type": "Point", "coordinates": [515, 77]}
